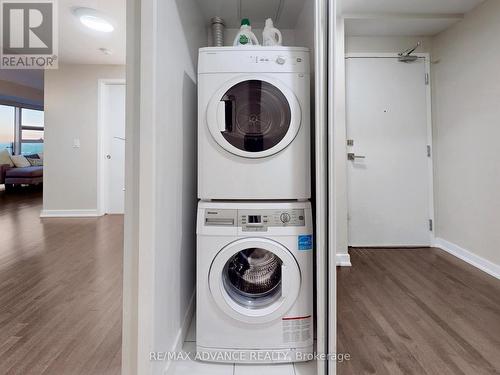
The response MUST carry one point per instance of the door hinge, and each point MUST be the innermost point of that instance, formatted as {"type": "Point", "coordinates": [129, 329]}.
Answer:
{"type": "Point", "coordinates": [430, 225]}
{"type": "Point", "coordinates": [426, 78]}
{"type": "Point", "coordinates": [428, 151]}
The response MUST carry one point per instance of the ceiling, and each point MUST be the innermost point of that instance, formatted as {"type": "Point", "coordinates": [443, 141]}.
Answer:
{"type": "Point", "coordinates": [80, 45]}
{"type": "Point", "coordinates": [283, 12]}
{"type": "Point", "coordinates": [403, 17]}
{"type": "Point", "coordinates": [409, 6]}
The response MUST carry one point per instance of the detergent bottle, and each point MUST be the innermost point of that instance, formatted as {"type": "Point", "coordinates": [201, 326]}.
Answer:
{"type": "Point", "coordinates": [271, 36]}
{"type": "Point", "coordinates": [245, 36]}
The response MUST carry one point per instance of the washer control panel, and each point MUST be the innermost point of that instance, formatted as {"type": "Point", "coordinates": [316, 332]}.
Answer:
{"type": "Point", "coordinates": [260, 220]}
{"type": "Point", "coordinates": [256, 220]}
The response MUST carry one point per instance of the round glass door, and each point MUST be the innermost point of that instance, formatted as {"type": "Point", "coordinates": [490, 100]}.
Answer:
{"type": "Point", "coordinates": [257, 116]}
{"type": "Point", "coordinates": [252, 278]}
{"type": "Point", "coordinates": [254, 117]}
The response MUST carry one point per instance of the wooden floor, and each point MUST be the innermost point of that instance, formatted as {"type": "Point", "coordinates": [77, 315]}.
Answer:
{"type": "Point", "coordinates": [60, 291]}
{"type": "Point", "coordinates": [418, 311]}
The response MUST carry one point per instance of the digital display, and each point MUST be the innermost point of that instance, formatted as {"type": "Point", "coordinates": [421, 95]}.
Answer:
{"type": "Point", "coordinates": [254, 219]}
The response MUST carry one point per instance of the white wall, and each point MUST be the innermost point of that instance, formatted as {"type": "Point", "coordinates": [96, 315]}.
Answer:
{"type": "Point", "coordinates": [181, 31]}
{"type": "Point", "coordinates": [70, 174]}
{"type": "Point", "coordinates": [230, 33]}
{"type": "Point", "coordinates": [303, 35]}
{"type": "Point", "coordinates": [386, 43]}
{"type": "Point", "coordinates": [466, 84]}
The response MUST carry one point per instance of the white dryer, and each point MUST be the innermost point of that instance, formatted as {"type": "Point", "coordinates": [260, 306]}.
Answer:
{"type": "Point", "coordinates": [254, 282]}
{"type": "Point", "coordinates": [253, 123]}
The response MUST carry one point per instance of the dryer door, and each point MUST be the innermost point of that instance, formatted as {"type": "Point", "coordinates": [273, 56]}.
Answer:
{"type": "Point", "coordinates": [255, 280]}
{"type": "Point", "coordinates": [254, 116]}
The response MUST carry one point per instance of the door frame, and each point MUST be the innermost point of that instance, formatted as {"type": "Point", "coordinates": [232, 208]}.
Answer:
{"type": "Point", "coordinates": [102, 178]}
{"type": "Point", "coordinates": [430, 159]}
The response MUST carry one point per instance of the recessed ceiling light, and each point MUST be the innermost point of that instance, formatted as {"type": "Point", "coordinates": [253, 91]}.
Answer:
{"type": "Point", "coordinates": [93, 19]}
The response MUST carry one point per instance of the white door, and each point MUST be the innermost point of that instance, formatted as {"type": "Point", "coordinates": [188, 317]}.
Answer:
{"type": "Point", "coordinates": [388, 189]}
{"type": "Point", "coordinates": [114, 148]}
{"type": "Point", "coordinates": [254, 117]}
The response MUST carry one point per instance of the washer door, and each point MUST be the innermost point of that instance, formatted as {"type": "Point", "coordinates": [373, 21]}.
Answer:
{"type": "Point", "coordinates": [254, 280]}
{"type": "Point", "coordinates": [254, 117]}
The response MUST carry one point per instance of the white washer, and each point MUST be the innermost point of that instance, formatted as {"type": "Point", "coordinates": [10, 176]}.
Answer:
{"type": "Point", "coordinates": [253, 123]}
{"type": "Point", "coordinates": [254, 282]}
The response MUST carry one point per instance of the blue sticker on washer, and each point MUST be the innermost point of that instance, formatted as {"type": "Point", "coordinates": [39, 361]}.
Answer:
{"type": "Point", "coordinates": [305, 242]}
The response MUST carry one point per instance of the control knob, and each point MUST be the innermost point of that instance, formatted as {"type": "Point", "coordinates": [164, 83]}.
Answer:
{"type": "Point", "coordinates": [285, 217]}
{"type": "Point", "coordinates": [280, 60]}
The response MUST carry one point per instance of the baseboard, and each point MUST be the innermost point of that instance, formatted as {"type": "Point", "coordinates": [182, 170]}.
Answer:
{"type": "Point", "coordinates": [70, 213]}
{"type": "Point", "coordinates": [181, 335]}
{"type": "Point", "coordinates": [343, 260]}
{"type": "Point", "coordinates": [469, 257]}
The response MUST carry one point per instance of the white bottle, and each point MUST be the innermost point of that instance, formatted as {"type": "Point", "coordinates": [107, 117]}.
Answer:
{"type": "Point", "coordinates": [271, 36]}
{"type": "Point", "coordinates": [245, 36]}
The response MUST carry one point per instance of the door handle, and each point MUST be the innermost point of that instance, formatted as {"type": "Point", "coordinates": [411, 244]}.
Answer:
{"type": "Point", "coordinates": [225, 114]}
{"type": "Point", "coordinates": [352, 156]}
{"type": "Point", "coordinates": [221, 115]}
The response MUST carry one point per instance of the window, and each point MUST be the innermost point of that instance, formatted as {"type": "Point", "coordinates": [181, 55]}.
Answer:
{"type": "Point", "coordinates": [32, 131]}
{"type": "Point", "coordinates": [21, 130]}
{"type": "Point", "coordinates": [7, 127]}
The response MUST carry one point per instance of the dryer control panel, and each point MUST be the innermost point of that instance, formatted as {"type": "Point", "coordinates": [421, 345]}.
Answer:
{"type": "Point", "coordinates": [256, 220]}
{"type": "Point", "coordinates": [253, 60]}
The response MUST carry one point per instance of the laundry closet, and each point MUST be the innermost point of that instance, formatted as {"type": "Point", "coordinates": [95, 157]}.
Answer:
{"type": "Point", "coordinates": [224, 189]}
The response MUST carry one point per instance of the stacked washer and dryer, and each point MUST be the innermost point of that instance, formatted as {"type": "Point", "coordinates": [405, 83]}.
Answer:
{"type": "Point", "coordinates": [254, 226]}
